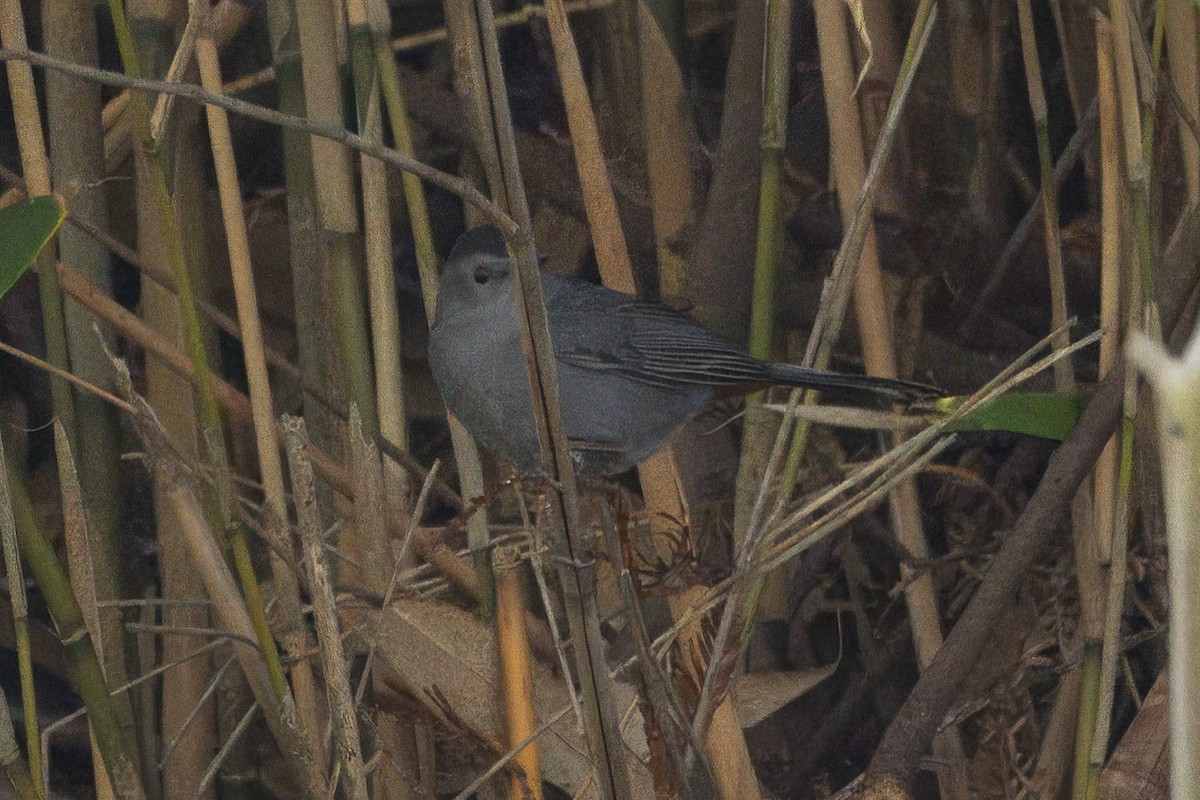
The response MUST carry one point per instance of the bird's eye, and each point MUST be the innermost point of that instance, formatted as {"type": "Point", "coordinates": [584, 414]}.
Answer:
{"type": "Point", "coordinates": [481, 276]}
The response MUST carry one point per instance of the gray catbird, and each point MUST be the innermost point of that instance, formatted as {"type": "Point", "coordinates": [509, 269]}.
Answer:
{"type": "Point", "coordinates": [631, 372]}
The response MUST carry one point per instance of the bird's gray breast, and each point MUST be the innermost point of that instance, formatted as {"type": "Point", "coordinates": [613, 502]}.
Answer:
{"type": "Point", "coordinates": [477, 363]}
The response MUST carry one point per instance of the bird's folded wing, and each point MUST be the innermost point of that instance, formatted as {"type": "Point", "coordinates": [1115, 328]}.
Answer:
{"type": "Point", "coordinates": [656, 345]}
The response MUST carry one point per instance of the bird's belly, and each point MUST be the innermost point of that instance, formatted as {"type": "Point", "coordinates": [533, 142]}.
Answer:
{"type": "Point", "coordinates": [612, 422]}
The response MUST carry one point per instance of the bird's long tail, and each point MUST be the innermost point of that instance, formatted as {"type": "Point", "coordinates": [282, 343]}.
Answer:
{"type": "Point", "coordinates": [848, 384]}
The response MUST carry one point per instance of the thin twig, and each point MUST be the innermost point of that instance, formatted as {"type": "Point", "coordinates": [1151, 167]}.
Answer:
{"type": "Point", "coordinates": [501, 762]}
{"type": "Point", "coordinates": [450, 183]}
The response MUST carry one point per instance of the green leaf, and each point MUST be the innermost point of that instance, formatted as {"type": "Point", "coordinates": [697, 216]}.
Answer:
{"type": "Point", "coordinates": [1050, 415]}
{"type": "Point", "coordinates": [25, 228]}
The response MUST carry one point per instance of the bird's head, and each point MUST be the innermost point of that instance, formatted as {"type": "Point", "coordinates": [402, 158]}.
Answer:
{"type": "Point", "coordinates": [477, 272]}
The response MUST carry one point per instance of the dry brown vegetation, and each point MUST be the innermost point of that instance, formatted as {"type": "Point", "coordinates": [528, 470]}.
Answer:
{"type": "Point", "coordinates": [268, 565]}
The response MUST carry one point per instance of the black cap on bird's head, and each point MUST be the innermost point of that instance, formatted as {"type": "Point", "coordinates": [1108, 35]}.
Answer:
{"type": "Point", "coordinates": [484, 240]}
{"type": "Point", "coordinates": [476, 272]}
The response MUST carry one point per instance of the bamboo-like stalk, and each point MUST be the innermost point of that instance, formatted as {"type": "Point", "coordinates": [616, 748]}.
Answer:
{"type": "Point", "coordinates": [115, 748]}
{"type": "Point", "coordinates": [668, 144]}
{"type": "Point", "coordinates": [181, 687]}
{"type": "Point", "coordinates": [879, 355]}
{"type": "Point", "coordinates": [516, 674]}
{"type": "Point", "coordinates": [20, 613]}
{"type": "Point", "coordinates": [80, 558]}
{"type": "Point", "coordinates": [337, 212]}
{"type": "Point", "coordinates": [1111, 483]}
{"type": "Point", "coordinates": [333, 657]}
{"type": "Point", "coordinates": [770, 596]}
{"type": "Point", "coordinates": [1064, 378]}
{"type": "Point", "coordinates": [36, 168]}
{"type": "Point", "coordinates": [245, 295]}
{"type": "Point", "coordinates": [1134, 147]}
{"type": "Point", "coordinates": [377, 225]}
{"type": "Point", "coordinates": [1111, 225]}
{"type": "Point", "coordinates": [1177, 385]}
{"type": "Point", "coordinates": [77, 163]}
{"type": "Point", "coordinates": [1183, 62]}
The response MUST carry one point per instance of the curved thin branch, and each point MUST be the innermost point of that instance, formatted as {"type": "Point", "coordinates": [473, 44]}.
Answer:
{"type": "Point", "coordinates": [451, 183]}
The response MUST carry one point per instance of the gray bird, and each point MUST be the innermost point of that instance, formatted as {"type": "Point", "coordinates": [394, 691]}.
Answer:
{"type": "Point", "coordinates": [631, 372]}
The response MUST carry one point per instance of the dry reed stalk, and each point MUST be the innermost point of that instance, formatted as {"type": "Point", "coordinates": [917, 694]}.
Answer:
{"type": "Point", "coordinates": [1176, 382]}
{"type": "Point", "coordinates": [170, 392]}
{"type": "Point", "coordinates": [365, 28]}
{"type": "Point", "coordinates": [1111, 226]}
{"type": "Point", "coordinates": [246, 298]}
{"type": "Point", "coordinates": [879, 356]}
{"type": "Point", "coordinates": [80, 557]}
{"type": "Point", "coordinates": [345, 368]}
{"type": "Point", "coordinates": [669, 145]}
{"type": "Point", "coordinates": [293, 633]}
{"type": "Point", "coordinates": [75, 135]}
{"type": "Point", "coordinates": [19, 602]}
{"type": "Point", "coordinates": [1183, 62]}
{"type": "Point", "coordinates": [342, 710]}
{"type": "Point", "coordinates": [1111, 525]}
{"type": "Point", "coordinates": [516, 674]}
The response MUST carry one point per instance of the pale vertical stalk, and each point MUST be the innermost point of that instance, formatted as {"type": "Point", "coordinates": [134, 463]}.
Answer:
{"type": "Point", "coordinates": [612, 255]}
{"type": "Point", "coordinates": [80, 558]}
{"type": "Point", "coordinates": [36, 169]}
{"type": "Point", "coordinates": [668, 144]}
{"type": "Point", "coordinates": [1112, 483]}
{"type": "Point", "coordinates": [337, 206]}
{"type": "Point", "coordinates": [1177, 386]}
{"type": "Point", "coordinates": [1086, 536]}
{"type": "Point", "coordinates": [879, 19]}
{"type": "Point", "coordinates": [76, 140]}
{"type": "Point", "coordinates": [15, 576]}
{"type": "Point", "coordinates": [333, 657]}
{"type": "Point", "coordinates": [879, 355]}
{"type": "Point", "coordinates": [246, 297]}
{"type": "Point", "coordinates": [516, 674]}
{"type": "Point", "coordinates": [1183, 62]}
{"type": "Point", "coordinates": [1111, 225]}
{"type": "Point", "coordinates": [1137, 168]}
{"type": "Point", "coordinates": [183, 774]}
{"type": "Point", "coordinates": [1064, 378]}
{"type": "Point", "coordinates": [365, 29]}
{"type": "Point", "coordinates": [770, 593]}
